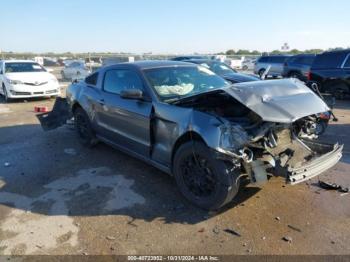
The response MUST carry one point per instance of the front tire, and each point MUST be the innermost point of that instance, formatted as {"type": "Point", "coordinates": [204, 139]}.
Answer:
{"type": "Point", "coordinates": [204, 180]}
{"type": "Point", "coordinates": [7, 99]}
{"type": "Point", "coordinates": [84, 129]}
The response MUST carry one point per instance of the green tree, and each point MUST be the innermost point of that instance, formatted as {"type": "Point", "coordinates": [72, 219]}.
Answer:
{"type": "Point", "coordinates": [230, 52]}
{"type": "Point", "coordinates": [294, 52]}
{"type": "Point", "coordinates": [243, 52]}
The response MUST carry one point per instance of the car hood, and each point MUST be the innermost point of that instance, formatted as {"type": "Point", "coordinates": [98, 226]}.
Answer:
{"type": "Point", "coordinates": [281, 101]}
{"type": "Point", "coordinates": [238, 78]}
{"type": "Point", "coordinates": [31, 77]}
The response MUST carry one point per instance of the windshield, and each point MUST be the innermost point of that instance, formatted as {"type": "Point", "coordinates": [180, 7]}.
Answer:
{"type": "Point", "coordinates": [173, 83]}
{"type": "Point", "coordinates": [219, 68]}
{"type": "Point", "coordinates": [23, 67]}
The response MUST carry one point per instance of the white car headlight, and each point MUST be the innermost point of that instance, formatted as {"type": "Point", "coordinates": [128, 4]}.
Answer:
{"type": "Point", "coordinates": [15, 82]}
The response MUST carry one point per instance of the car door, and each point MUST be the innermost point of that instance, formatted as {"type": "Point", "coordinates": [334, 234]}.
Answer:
{"type": "Point", "coordinates": [125, 122]}
{"type": "Point", "coordinates": [276, 65]}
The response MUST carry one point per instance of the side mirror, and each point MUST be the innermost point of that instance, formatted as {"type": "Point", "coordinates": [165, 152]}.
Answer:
{"type": "Point", "coordinates": [0, 72]}
{"type": "Point", "coordinates": [131, 94]}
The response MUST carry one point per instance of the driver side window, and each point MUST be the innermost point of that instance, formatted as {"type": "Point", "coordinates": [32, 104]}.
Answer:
{"type": "Point", "coordinates": [117, 80]}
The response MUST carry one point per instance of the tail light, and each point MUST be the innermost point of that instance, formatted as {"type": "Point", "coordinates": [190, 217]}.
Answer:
{"type": "Point", "coordinates": [308, 75]}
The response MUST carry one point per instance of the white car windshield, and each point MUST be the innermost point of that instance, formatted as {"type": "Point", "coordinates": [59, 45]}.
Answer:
{"type": "Point", "coordinates": [179, 82]}
{"type": "Point", "coordinates": [19, 67]}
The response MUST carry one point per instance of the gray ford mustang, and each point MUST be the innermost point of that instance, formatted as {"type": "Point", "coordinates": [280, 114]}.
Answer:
{"type": "Point", "coordinates": [189, 122]}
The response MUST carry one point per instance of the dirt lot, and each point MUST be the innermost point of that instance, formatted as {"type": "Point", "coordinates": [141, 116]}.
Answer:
{"type": "Point", "coordinates": [57, 197]}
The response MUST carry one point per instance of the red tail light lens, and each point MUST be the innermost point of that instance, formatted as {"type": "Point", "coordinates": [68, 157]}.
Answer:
{"type": "Point", "coordinates": [308, 76]}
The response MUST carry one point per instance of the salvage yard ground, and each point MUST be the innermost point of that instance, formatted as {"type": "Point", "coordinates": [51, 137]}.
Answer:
{"type": "Point", "coordinates": [57, 197]}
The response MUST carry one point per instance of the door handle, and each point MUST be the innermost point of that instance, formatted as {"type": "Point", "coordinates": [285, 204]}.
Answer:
{"type": "Point", "coordinates": [101, 102]}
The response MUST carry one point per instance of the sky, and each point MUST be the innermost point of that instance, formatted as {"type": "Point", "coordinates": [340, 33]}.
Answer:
{"type": "Point", "coordinates": [172, 26]}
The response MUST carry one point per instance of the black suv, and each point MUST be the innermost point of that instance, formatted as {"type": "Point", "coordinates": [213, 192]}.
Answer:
{"type": "Point", "coordinates": [298, 66]}
{"type": "Point", "coordinates": [331, 72]}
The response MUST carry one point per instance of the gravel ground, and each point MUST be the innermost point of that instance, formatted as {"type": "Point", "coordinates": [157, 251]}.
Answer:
{"type": "Point", "coordinates": [57, 197]}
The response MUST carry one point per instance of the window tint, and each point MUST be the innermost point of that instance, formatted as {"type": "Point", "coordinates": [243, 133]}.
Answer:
{"type": "Point", "coordinates": [347, 62]}
{"type": "Point", "coordinates": [303, 60]}
{"type": "Point", "coordinates": [119, 79]}
{"type": "Point", "coordinates": [277, 59]}
{"type": "Point", "coordinates": [75, 64]}
{"type": "Point", "coordinates": [306, 60]}
{"type": "Point", "coordinates": [263, 59]}
{"type": "Point", "coordinates": [329, 60]}
{"type": "Point", "coordinates": [92, 79]}
{"type": "Point", "coordinates": [18, 67]}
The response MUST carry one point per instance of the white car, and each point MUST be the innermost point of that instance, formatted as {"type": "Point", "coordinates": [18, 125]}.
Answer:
{"type": "Point", "coordinates": [25, 79]}
{"type": "Point", "coordinates": [75, 70]}
{"type": "Point", "coordinates": [248, 64]}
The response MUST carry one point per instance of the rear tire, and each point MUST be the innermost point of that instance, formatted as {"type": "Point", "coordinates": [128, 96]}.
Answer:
{"type": "Point", "coordinates": [7, 99]}
{"type": "Point", "coordinates": [338, 90]}
{"type": "Point", "coordinates": [204, 180]}
{"type": "Point", "coordinates": [261, 72]}
{"type": "Point", "coordinates": [84, 129]}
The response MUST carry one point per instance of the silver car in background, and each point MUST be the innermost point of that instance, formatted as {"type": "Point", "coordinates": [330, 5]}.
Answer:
{"type": "Point", "coordinates": [276, 63]}
{"type": "Point", "coordinates": [248, 64]}
{"type": "Point", "coordinates": [75, 70]}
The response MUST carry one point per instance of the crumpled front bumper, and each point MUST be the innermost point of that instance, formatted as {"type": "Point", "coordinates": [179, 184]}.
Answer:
{"type": "Point", "coordinates": [315, 167]}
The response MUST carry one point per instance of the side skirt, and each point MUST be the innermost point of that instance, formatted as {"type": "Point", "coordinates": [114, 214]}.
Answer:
{"type": "Point", "coordinates": [125, 150]}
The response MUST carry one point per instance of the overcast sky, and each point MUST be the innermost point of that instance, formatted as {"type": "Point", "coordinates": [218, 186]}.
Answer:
{"type": "Point", "coordinates": [178, 26]}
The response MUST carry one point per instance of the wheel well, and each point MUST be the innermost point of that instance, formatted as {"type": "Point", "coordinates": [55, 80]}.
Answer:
{"type": "Point", "coordinates": [188, 136]}
{"type": "Point", "coordinates": [75, 106]}
{"type": "Point", "coordinates": [333, 85]}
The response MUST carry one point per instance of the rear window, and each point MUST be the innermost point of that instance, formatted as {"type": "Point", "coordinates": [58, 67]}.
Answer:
{"type": "Point", "coordinates": [329, 60]}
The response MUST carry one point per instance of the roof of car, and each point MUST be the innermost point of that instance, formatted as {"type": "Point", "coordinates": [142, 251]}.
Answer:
{"type": "Point", "coordinates": [337, 51]}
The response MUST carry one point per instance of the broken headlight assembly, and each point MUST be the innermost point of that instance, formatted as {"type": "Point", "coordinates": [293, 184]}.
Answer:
{"type": "Point", "coordinates": [233, 140]}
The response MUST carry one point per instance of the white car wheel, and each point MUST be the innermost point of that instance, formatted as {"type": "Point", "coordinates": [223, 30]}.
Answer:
{"type": "Point", "coordinates": [7, 99]}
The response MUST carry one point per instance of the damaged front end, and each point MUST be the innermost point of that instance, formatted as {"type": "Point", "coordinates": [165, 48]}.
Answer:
{"type": "Point", "coordinates": [262, 130]}
{"type": "Point", "coordinates": [274, 149]}
{"type": "Point", "coordinates": [272, 144]}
